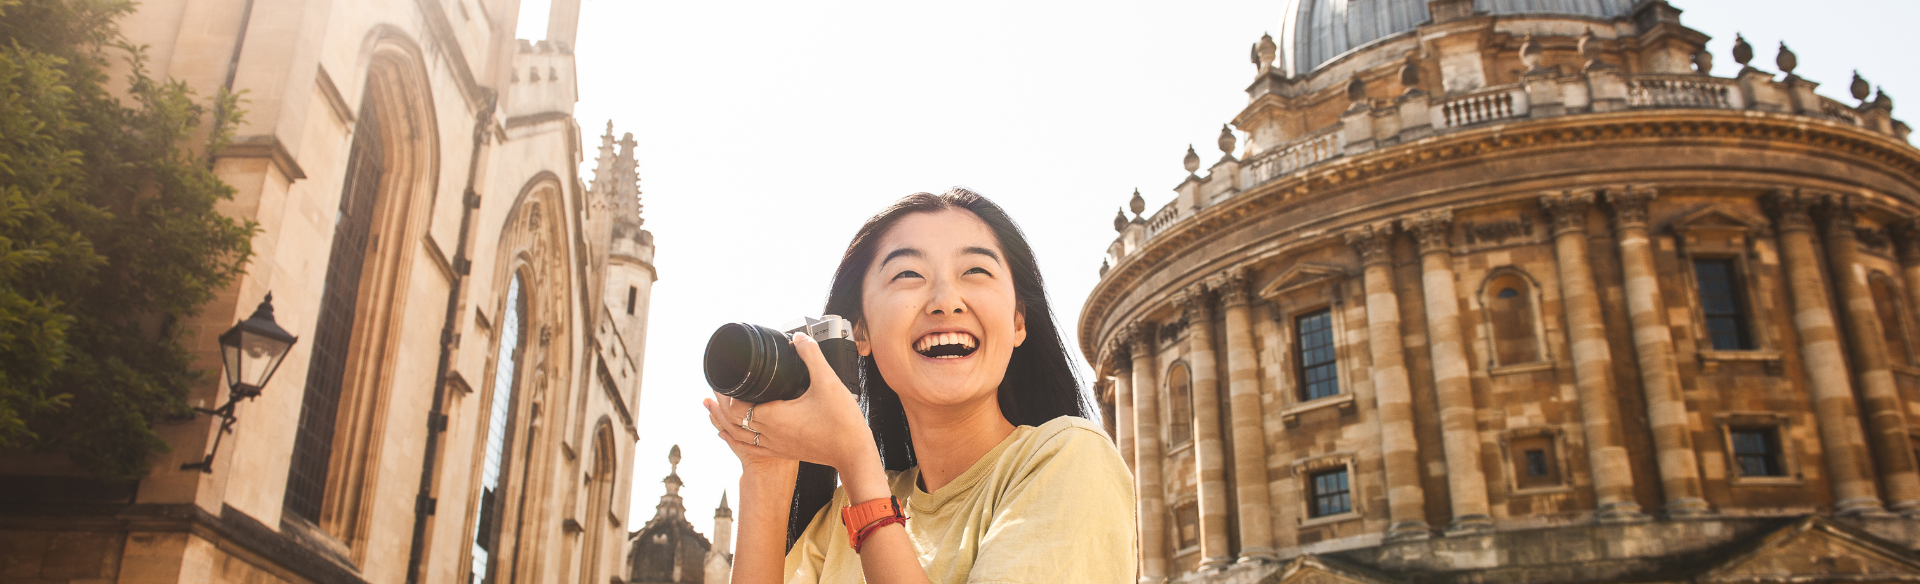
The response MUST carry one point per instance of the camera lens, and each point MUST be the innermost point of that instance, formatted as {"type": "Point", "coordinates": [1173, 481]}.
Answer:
{"type": "Point", "coordinates": [754, 363]}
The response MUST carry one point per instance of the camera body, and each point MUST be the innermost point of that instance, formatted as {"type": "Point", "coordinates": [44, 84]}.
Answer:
{"type": "Point", "coordinates": [758, 364]}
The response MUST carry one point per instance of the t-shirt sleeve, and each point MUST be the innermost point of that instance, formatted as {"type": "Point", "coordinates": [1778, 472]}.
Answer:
{"type": "Point", "coordinates": [1066, 515]}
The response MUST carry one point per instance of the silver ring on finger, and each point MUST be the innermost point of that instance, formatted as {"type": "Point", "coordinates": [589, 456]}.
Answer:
{"type": "Point", "coordinates": [746, 423]}
{"type": "Point", "coordinates": [756, 438]}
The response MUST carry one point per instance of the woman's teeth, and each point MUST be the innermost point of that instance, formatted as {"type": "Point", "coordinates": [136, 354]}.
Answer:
{"type": "Point", "coordinates": [946, 345]}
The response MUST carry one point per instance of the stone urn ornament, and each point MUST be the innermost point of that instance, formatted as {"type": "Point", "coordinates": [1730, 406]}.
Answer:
{"type": "Point", "coordinates": [1119, 220]}
{"type": "Point", "coordinates": [1192, 163]}
{"type": "Point", "coordinates": [1226, 141]}
{"type": "Point", "coordinates": [1859, 88]}
{"type": "Point", "coordinates": [1742, 52]}
{"type": "Point", "coordinates": [1139, 204]}
{"type": "Point", "coordinates": [1703, 62]}
{"type": "Point", "coordinates": [1786, 60]}
{"type": "Point", "coordinates": [1530, 54]}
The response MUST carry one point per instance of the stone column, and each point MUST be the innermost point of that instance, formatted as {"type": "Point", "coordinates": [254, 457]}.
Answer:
{"type": "Point", "coordinates": [1249, 432]}
{"type": "Point", "coordinates": [1460, 431]}
{"type": "Point", "coordinates": [1123, 406]}
{"type": "Point", "coordinates": [1886, 423]}
{"type": "Point", "coordinates": [1592, 359]}
{"type": "Point", "coordinates": [1400, 447]}
{"type": "Point", "coordinates": [1148, 457]}
{"type": "Point", "coordinates": [1653, 345]}
{"type": "Point", "coordinates": [1827, 381]}
{"type": "Point", "coordinates": [1209, 456]}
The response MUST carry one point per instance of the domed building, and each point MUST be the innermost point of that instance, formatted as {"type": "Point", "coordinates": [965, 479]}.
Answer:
{"type": "Point", "coordinates": [1517, 291]}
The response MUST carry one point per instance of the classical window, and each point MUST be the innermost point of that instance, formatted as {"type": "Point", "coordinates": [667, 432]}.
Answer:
{"type": "Point", "coordinates": [1186, 522]}
{"type": "Point", "coordinates": [1756, 451]}
{"type": "Point", "coordinates": [333, 329]}
{"type": "Point", "coordinates": [1536, 461]}
{"type": "Point", "coordinates": [1328, 493]}
{"type": "Point", "coordinates": [1179, 405]}
{"type": "Point", "coordinates": [1723, 304]}
{"type": "Point", "coordinates": [491, 504]}
{"type": "Point", "coordinates": [633, 293]}
{"type": "Point", "coordinates": [1512, 319]}
{"type": "Point", "coordinates": [1315, 364]}
{"type": "Point", "coordinates": [1893, 319]}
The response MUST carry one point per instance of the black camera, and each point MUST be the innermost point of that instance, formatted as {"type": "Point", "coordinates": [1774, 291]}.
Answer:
{"type": "Point", "coordinates": [758, 364]}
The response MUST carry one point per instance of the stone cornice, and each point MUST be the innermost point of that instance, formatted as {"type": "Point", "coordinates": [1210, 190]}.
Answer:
{"type": "Point", "coordinates": [1736, 130]}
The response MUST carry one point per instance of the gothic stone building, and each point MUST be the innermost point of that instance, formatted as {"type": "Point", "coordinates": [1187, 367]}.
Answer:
{"type": "Point", "coordinates": [669, 550]}
{"type": "Point", "coordinates": [1518, 291]}
{"type": "Point", "coordinates": [471, 316]}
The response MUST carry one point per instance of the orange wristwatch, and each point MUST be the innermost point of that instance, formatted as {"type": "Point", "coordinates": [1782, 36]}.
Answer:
{"type": "Point", "coordinates": [863, 519]}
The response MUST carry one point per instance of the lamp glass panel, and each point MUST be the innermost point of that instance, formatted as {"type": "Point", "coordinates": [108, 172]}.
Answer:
{"type": "Point", "coordinates": [259, 356]}
{"type": "Point", "coordinates": [230, 356]}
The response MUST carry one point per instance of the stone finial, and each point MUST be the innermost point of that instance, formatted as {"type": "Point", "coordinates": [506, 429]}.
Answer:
{"type": "Point", "coordinates": [1859, 88]}
{"type": "Point", "coordinates": [1630, 205]}
{"type": "Point", "coordinates": [1227, 140]}
{"type": "Point", "coordinates": [1530, 54]}
{"type": "Point", "coordinates": [673, 458]}
{"type": "Point", "coordinates": [1786, 60]}
{"type": "Point", "coordinates": [1590, 48]}
{"type": "Point", "coordinates": [1410, 75]}
{"type": "Point", "coordinates": [723, 511]}
{"type": "Point", "coordinates": [1120, 220]}
{"type": "Point", "coordinates": [1265, 52]}
{"type": "Point", "coordinates": [1371, 243]}
{"type": "Point", "coordinates": [1789, 209]}
{"type": "Point", "coordinates": [1432, 229]}
{"type": "Point", "coordinates": [1742, 52]}
{"type": "Point", "coordinates": [1703, 62]}
{"type": "Point", "coordinates": [1357, 91]}
{"type": "Point", "coordinates": [1104, 266]}
{"type": "Point", "coordinates": [1567, 209]}
{"type": "Point", "coordinates": [1139, 204]}
{"type": "Point", "coordinates": [1883, 101]}
{"type": "Point", "coordinates": [1192, 161]}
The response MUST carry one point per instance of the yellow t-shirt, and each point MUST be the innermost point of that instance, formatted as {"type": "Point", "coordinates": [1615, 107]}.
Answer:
{"type": "Point", "coordinates": [1048, 504]}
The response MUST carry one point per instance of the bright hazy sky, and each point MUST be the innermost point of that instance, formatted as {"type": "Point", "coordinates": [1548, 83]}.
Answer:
{"type": "Point", "coordinates": [769, 130]}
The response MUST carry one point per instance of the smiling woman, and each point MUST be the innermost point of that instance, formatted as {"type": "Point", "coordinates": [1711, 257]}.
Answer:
{"type": "Point", "coordinates": [973, 427]}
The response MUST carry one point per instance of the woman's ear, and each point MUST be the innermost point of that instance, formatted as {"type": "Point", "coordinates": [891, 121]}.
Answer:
{"type": "Point", "coordinates": [860, 339]}
{"type": "Point", "coordinates": [1019, 325]}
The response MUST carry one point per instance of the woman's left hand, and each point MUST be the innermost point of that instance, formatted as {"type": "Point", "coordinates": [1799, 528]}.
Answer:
{"type": "Point", "coordinates": [822, 426]}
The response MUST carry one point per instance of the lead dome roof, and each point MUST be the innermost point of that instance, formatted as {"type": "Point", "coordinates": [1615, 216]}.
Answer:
{"type": "Point", "coordinates": [1315, 31]}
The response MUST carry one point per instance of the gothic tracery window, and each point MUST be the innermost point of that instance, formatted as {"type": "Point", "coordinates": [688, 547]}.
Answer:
{"type": "Point", "coordinates": [499, 416]}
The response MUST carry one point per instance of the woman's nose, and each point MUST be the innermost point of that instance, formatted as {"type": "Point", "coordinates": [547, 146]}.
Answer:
{"type": "Point", "coordinates": [946, 300]}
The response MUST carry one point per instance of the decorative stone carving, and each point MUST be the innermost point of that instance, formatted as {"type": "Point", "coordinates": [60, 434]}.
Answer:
{"type": "Point", "coordinates": [1232, 288]}
{"type": "Point", "coordinates": [1789, 210]}
{"type": "Point", "coordinates": [1840, 216]}
{"type": "Point", "coordinates": [1139, 204]}
{"type": "Point", "coordinates": [1120, 220]}
{"type": "Point", "coordinates": [1590, 48]}
{"type": "Point", "coordinates": [1882, 101]}
{"type": "Point", "coordinates": [1192, 163]}
{"type": "Point", "coordinates": [1567, 210]}
{"type": "Point", "coordinates": [1859, 88]}
{"type": "Point", "coordinates": [1786, 60]}
{"type": "Point", "coordinates": [1873, 238]}
{"type": "Point", "coordinates": [1410, 76]}
{"type": "Point", "coordinates": [1906, 235]}
{"type": "Point", "coordinates": [1264, 52]}
{"type": "Point", "coordinates": [1703, 62]}
{"type": "Point", "coordinates": [1372, 244]}
{"type": "Point", "coordinates": [1496, 231]}
{"type": "Point", "coordinates": [1139, 337]}
{"type": "Point", "coordinates": [1742, 52]}
{"type": "Point", "coordinates": [1357, 92]}
{"type": "Point", "coordinates": [1104, 267]}
{"type": "Point", "coordinates": [1431, 229]}
{"type": "Point", "coordinates": [1226, 141]}
{"type": "Point", "coordinates": [1630, 205]}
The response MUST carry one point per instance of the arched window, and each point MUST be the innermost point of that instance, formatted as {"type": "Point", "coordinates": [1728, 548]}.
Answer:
{"type": "Point", "coordinates": [1893, 319]}
{"type": "Point", "coordinates": [499, 415]}
{"type": "Point", "coordinates": [1180, 405]}
{"type": "Point", "coordinates": [599, 503]}
{"type": "Point", "coordinates": [333, 330]}
{"type": "Point", "coordinates": [1511, 319]}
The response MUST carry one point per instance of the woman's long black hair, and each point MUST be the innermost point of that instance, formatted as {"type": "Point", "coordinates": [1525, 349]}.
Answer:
{"type": "Point", "coordinates": [1040, 383]}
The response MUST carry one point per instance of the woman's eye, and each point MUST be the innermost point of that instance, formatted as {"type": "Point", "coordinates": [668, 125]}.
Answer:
{"type": "Point", "coordinates": [907, 274]}
{"type": "Point", "coordinates": [978, 271]}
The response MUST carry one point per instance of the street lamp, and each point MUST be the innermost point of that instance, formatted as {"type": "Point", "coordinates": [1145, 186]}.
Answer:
{"type": "Point", "coordinates": [250, 352]}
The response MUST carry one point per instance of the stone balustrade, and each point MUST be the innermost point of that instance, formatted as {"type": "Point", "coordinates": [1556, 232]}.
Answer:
{"type": "Point", "coordinates": [1485, 106]}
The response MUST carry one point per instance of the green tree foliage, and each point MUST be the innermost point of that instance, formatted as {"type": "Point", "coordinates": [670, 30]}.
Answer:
{"type": "Point", "coordinates": [108, 236]}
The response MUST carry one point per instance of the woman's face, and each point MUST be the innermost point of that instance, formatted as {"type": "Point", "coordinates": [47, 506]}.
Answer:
{"type": "Point", "coordinates": [939, 315]}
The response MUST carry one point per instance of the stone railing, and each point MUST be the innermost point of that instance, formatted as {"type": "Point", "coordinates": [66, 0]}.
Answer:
{"type": "Point", "coordinates": [1485, 106]}
{"type": "Point", "coordinates": [1163, 218]}
{"type": "Point", "coordinates": [1838, 111]}
{"type": "Point", "coordinates": [1300, 153]}
{"type": "Point", "coordinates": [1681, 91]}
